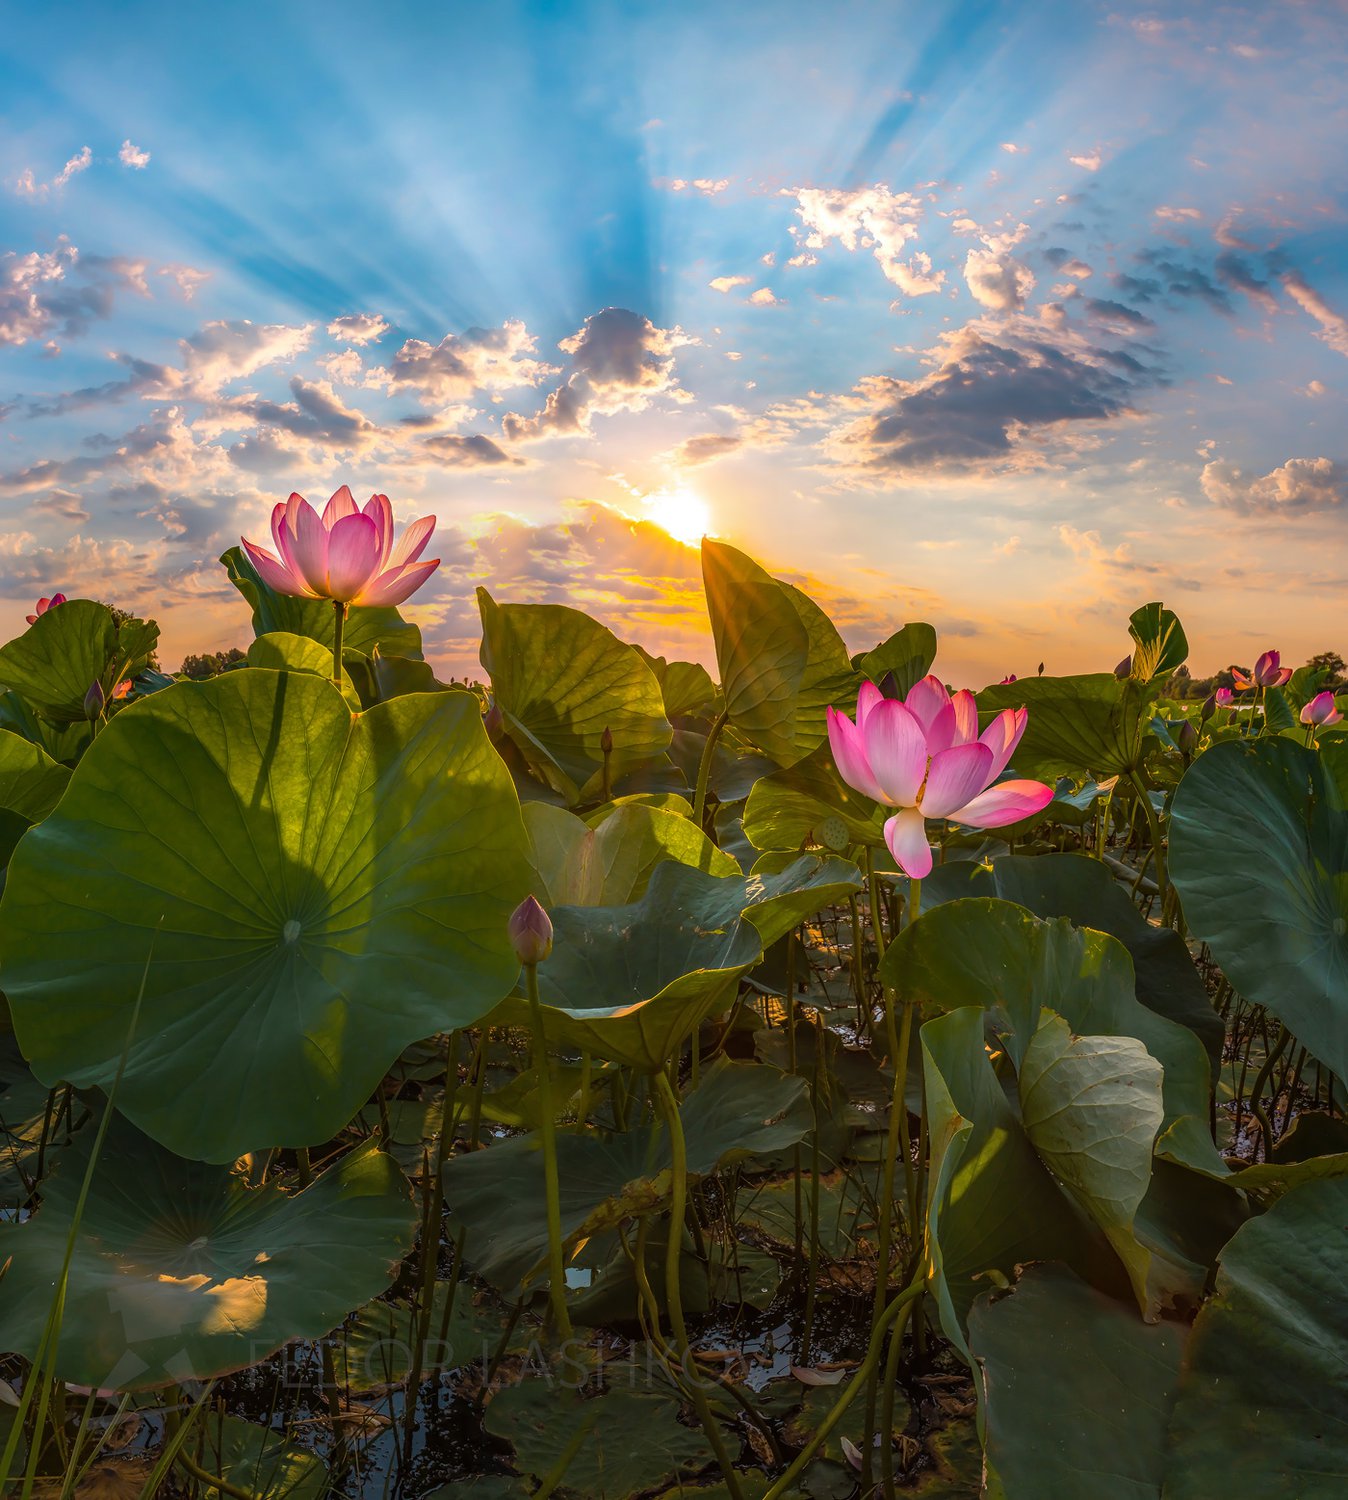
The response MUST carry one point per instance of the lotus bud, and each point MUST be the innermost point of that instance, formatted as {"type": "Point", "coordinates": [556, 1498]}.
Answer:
{"type": "Point", "coordinates": [1225, 697]}
{"type": "Point", "coordinates": [1124, 668]}
{"type": "Point", "coordinates": [94, 701]}
{"type": "Point", "coordinates": [1186, 737]}
{"type": "Point", "coordinates": [530, 932]}
{"type": "Point", "coordinates": [1321, 711]}
{"type": "Point", "coordinates": [889, 686]}
{"type": "Point", "coordinates": [606, 741]}
{"type": "Point", "coordinates": [1006, 681]}
{"type": "Point", "coordinates": [1041, 669]}
{"type": "Point", "coordinates": [1209, 708]}
{"type": "Point", "coordinates": [493, 721]}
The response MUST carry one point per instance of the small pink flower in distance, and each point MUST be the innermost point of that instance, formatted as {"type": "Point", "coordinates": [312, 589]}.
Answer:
{"type": "Point", "coordinates": [1006, 680]}
{"type": "Point", "coordinates": [1224, 697]}
{"type": "Point", "coordinates": [925, 757]}
{"type": "Point", "coordinates": [43, 605]}
{"type": "Point", "coordinates": [1268, 672]}
{"type": "Point", "coordinates": [1321, 711]}
{"type": "Point", "coordinates": [123, 689]}
{"type": "Point", "coordinates": [346, 555]}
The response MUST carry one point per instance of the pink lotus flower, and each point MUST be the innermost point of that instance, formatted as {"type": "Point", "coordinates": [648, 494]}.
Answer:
{"type": "Point", "coordinates": [1224, 697]}
{"type": "Point", "coordinates": [1267, 673]}
{"type": "Point", "coordinates": [1321, 711]}
{"type": "Point", "coordinates": [43, 605]}
{"type": "Point", "coordinates": [347, 555]}
{"type": "Point", "coordinates": [1006, 680]}
{"type": "Point", "coordinates": [926, 757]}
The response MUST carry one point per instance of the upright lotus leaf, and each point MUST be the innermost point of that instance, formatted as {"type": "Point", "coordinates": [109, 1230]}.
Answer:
{"type": "Point", "coordinates": [31, 783]}
{"type": "Point", "coordinates": [561, 679]}
{"type": "Point", "coordinates": [303, 892]}
{"type": "Point", "coordinates": [64, 743]}
{"type": "Point", "coordinates": [1161, 643]}
{"type": "Point", "coordinates": [1075, 1391]}
{"type": "Point", "coordinates": [1082, 890]}
{"type": "Point", "coordinates": [631, 983]}
{"type": "Point", "coordinates": [610, 865]}
{"type": "Point", "coordinates": [181, 1271]}
{"type": "Point", "coordinates": [990, 952]}
{"type": "Point", "coordinates": [54, 662]}
{"type": "Point", "coordinates": [908, 654]}
{"type": "Point", "coordinates": [1091, 1106]}
{"type": "Point", "coordinates": [1093, 724]}
{"type": "Point", "coordinates": [991, 1203]}
{"type": "Point", "coordinates": [737, 1110]}
{"type": "Point", "coordinates": [686, 687]}
{"type": "Point", "coordinates": [790, 807]}
{"type": "Point", "coordinates": [1262, 1395]}
{"type": "Point", "coordinates": [279, 651]}
{"type": "Point", "coordinates": [828, 680]}
{"type": "Point", "coordinates": [762, 648]}
{"type": "Point", "coordinates": [1259, 855]}
{"type": "Point", "coordinates": [367, 626]}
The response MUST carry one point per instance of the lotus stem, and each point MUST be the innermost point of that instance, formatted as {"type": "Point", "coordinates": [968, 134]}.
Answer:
{"type": "Point", "coordinates": [1154, 829]}
{"type": "Point", "coordinates": [552, 1186]}
{"type": "Point", "coordinates": [338, 628]}
{"type": "Point", "coordinates": [704, 766]}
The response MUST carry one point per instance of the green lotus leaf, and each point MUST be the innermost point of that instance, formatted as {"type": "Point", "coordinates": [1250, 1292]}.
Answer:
{"type": "Point", "coordinates": [279, 651]}
{"type": "Point", "coordinates": [379, 677]}
{"type": "Point", "coordinates": [1091, 1106]}
{"type": "Point", "coordinates": [991, 1203]}
{"type": "Point", "coordinates": [1092, 724]}
{"type": "Point", "coordinates": [256, 1460]}
{"type": "Point", "coordinates": [561, 679]}
{"type": "Point", "coordinates": [997, 954]}
{"type": "Point", "coordinates": [789, 808]}
{"type": "Point", "coordinates": [180, 1271]}
{"type": "Point", "coordinates": [630, 1441]}
{"type": "Point", "coordinates": [1262, 1395]}
{"type": "Point", "coordinates": [376, 1347]}
{"type": "Point", "coordinates": [610, 865]}
{"type": "Point", "coordinates": [366, 626]}
{"type": "Point", "coordinates": [31, 783]}
{"type": "Point", "coordinates": [737, 1110]}
{"type": "Point", "coordinates": [784, 888]}
{"type": "Point", "coordinates": [24, 1103]}
{"type": "Point", "coordinates": [1082, 890]}
{"type": "Point", "coordinates": [908, 653]}
{"type": "Point", "coordinates": [312, 891]}
{"type": "Point", "coordinates": [631, 983]}
{"type": "Point", "coordinates": [674, 802]}
{"type": "Point", "coordinates": [1075, 1391]}
{"type": "Point", "coordinates": [1259, 855]}
{"type": "Point", "coordinates": [686, 687]}
{"type": "Point", "coordinates": [1161, 643]}
{"type": "Point", "coordinates": [828, 680]}
{"type": "Point", "coordinates": [53, 664]}
{"type": "Point", "coordinates": [64, 743]}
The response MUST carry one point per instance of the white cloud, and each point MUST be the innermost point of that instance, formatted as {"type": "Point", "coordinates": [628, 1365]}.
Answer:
{"type": "Point", "coordinates": [998, 281]}
{"type": "Point", "coordinates": [358, 328]}
{"type": "Point", "coordinates": [1300, 485]}
{"type": "Point", "coordinates": [478, 359]}
{"type": "Point", "coordinates": [1333, 326]}
{"type": "Point", "coordinates": [763, 297]}
{"type": "Point", "coordinates": [872, 219]}
{"type": "Point", "coordinates": [133, 156]}
{"type": "Point", "coordinates": [707, 186]}
{"type": "Point", "coordinates": [727, 284]}
{"type": "Point", "coordinates": [224, 351]}
{"type": "Point", "coordinates": [27, 186]}
{"type": "Point", "coordinates": [24, 313]}
{"type": "Point", "coordinates": [1178, 215]}
{"type": "Point", "coordinates": [1088, 161]}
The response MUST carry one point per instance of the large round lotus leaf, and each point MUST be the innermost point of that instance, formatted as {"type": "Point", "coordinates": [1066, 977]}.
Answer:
{"type": "Point", "coordinates": [1161, 643]}
{"type": "Point", "coordinates": [908, 654]}
{"type": "Point", "coordinates": [611, 863]}
{"type": "Point", "coordinates": [1082, 890]}
{"type": "Point", "coordinates": [1262, 1395]}
{"type": "Point", "coordinates": [737, 1110]}
{"type": "Point", "coordinates": [1076, 1392]}
{"type": "Point", "coordinates": [993, 953]}
{"type": "Point", "coordinates": [1259, 855]}
{"type": "Point", "coordinates": [53, 664]}
{"type": "Point", "coordinates": [181, 1271]}
{"type": "Point", "coordinates": [561, 679]}
{"type": "Point", "coordinates": [1092, 723]}
{"type": "Point", "coordinates": [31, 783]}
{"type": "Point", "coordinates": [280, 651]}
{"type": "Point", "coordinates": [314, 892]}
{"type": "Point", "coordinates": [631, 983]}
{"type": "Point", "coordinates": [790, 807]}
{"type": "Point", "coordinates": [366, 626]}
{"type": "Point", "coordinates": [64, 743]}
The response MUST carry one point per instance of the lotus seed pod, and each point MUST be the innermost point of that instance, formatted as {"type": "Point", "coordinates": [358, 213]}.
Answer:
{"type": "Point", "coordinates": [833, 834]}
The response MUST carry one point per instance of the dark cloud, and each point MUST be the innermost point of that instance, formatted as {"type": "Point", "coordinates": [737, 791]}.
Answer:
{"type": "Point", "coordinates": [475, 451]}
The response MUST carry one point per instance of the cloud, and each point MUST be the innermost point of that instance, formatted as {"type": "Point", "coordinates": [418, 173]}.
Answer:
{"type": "Point", "coordinates": [763, 297]}
{"type": "Point", "coordinates": [1235, 272]}
{"type": "Point", "coordinates": [231, 349]}
{"type": "Point", "coordinates": [133, 156]}
{"type": "Point", "coordinates": [1012, 149]}
{"type": "Point", "coordinates": [728, 284]}
{"type": "Point", "coordinates": [317, 414]}
{"type": "Point", "coordinates": [55, 291]}
{"type": "Point", "coordinates": [998, 281]}
{"type": "Point", "coordinates": [1333, 326]}
{"type": "Point", "coordinates": [27, 186]}
{"type": "Point", "coordinates": [1089, 161]}
{"type": "Point", "coordinates": [997, 396]}
{"type": "Point", "coordinates": [1297, 487]}
{"type": "Point", "coordinates": [358, 328]}
{"type": "Point", "coordinates": [186, 278]}
{"type": "Point", "coordinates": [620, 361]}
{"type": "Point", "coordinates": [872, 219]}
{"type": "Point", "coordinates": [707, 186]}
{"type": "Point", "coordinates": [706, 447]}
{"type": "Point", "coordinates": [467, 452]}
{"type": "Point", "coordinates": [461, 364]}
{"type": "Point", "coordinates": [1178, 215]}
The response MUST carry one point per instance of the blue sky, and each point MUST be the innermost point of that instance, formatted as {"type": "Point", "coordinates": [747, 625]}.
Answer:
{"type": "Point", "coordinates": [1007, 316]}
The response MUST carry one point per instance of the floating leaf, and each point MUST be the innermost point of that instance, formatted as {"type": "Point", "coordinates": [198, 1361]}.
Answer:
{"type": "Point", "coordinates": [313, 892]}
{"type": "Point", "coordinates": [257, 1460]}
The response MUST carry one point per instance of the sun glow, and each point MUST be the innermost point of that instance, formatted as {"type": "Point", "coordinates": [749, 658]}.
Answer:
{"type": "Point", "coordinates": [681, 512]}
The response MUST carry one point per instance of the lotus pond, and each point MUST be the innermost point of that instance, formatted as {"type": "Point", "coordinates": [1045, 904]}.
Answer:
{"type": "Point", "coordinates": [613, 1081]}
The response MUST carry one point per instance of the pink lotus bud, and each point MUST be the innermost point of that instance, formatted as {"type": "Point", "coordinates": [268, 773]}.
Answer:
{"type": "Point", "coordinates": [606, 741]}
{"type": "Point", "coordinates": [1268, 671]}
{"type": "Point", "coordinates": [1209, 707]}
{"type": "Point", "coordinates": [1124, 668]}
{"type": "Point", "coordinates": [1224, 697]}
{"type": "Point", "coordinates": [1186, 737]}
{"type": "Point", "coordinates": [530, 932]}
{"type": "Point", "coordinates": [1007, 680]}
{"type": "Point", "coordinates": [43, 605]}
{"type": "Point", "coordinates": [95, 700]}
{"type": "Point", "coordinates": [1321, 711]}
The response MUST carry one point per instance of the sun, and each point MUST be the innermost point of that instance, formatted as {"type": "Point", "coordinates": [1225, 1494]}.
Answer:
{"type": "Point", "coordinates": [681, 512]}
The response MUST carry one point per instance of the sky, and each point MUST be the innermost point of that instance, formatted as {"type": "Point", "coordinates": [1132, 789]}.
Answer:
{"type": "Point", "coordinates": [1010, 317]}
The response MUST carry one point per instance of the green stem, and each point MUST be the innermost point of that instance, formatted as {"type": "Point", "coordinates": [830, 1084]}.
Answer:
{"type": "Point", "coordinates": [704, 766]}
{"type": "Point", "coordinates": [1154, 829]}
{"type": "Point", "coordinates": [338, 626]}
{"type": "Point", "coordinates": [556, 1266]}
